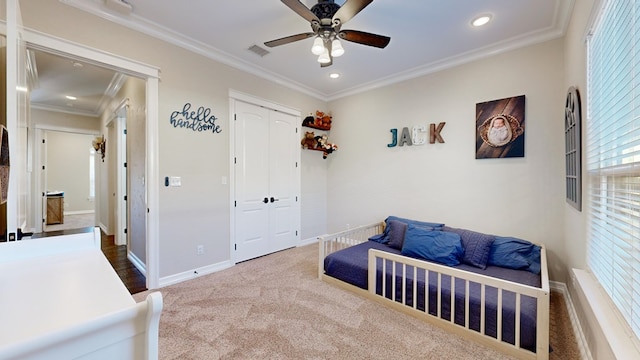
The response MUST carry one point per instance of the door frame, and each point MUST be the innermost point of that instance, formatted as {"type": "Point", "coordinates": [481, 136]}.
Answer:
{"type": "Point", "coordinates": [127, 66]}
{"type": "Point", "coordinates": [118, 122]}
{"type": "Point", "coordinates": [234, 96]}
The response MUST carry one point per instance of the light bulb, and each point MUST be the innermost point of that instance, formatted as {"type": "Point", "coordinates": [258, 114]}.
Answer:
{"type": "Point", "coordinates": [324, 57]}
{"type": "Point", "coordinates": [318, 46]}
{"type": "Point", "coordinates": [336, 48]}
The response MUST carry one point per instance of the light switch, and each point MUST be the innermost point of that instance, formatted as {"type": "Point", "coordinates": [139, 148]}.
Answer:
{"type": "Point", "coordinates": [175, 181]}
{"type": "Point", "coordinates": [224, 180]}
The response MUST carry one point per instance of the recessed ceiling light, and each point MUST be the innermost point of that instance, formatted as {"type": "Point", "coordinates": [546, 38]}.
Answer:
{"type": "Point", "coordinates": [334, 75]}
{"type": "Point", "coordinates": [481, 20]}
{"type": "Point", "coordinates": [69, 97]}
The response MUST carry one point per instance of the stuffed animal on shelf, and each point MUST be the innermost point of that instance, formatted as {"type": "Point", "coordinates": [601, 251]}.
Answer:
{"type": "Point", "coordinates": [328, 149]}
{"type": "Point", "coordinates": [323, 120]}
{"type": "Point", "coordinates": [321, 141]}
{"type": "Point", "coordinates": [309, 120]}
{"type": "Point", "coordinates": [309, 140]}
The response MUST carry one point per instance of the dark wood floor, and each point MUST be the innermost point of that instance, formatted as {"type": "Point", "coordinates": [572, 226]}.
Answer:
{"type": "Point", "coordinates": [128, 273]}
{"type": "Point", "coordinates": [132, 278]}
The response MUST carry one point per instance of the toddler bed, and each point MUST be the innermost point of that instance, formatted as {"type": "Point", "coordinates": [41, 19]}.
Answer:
{"type": "Point", "coordinates": [502, 307]}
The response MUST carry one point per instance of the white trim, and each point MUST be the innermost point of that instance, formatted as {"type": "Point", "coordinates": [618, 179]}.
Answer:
{"type": "Point", "coordinates": [69, 49]}
{"type": "Point", "coordinates": [137, 263]}
{"type": "Point", "coordinates": [618, 335]}
{"type": "Point", "coordinates": [308, 241]}
{"type": "Point", "coordinates": [194, 273]}
{"type": "Point", "coordinates": [151, 75]}
{"type": "Point", "coordinates": [140, 24]}
{"type": "Point", "coordinates": [50, 127]}
{"type": "Point", "coordinates": [152, 183]}
{"type": "Point", "coordinates": [561, 20]}
{"type": "Point", "coordinates": [239, 96]}
{"type": "Point", "coordinates": [560, 287]}
{"type": "Point", "coordinates": [79, 212]}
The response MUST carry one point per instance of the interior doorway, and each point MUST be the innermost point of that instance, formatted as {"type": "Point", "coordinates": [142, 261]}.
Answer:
{"type": "Point", "coordinates": [67, 163]}
{"type": "Point", "coordinates": [104, 114]}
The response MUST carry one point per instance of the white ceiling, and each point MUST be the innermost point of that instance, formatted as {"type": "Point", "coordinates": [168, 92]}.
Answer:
{"type": "Point", "coordinates": [426, 36]}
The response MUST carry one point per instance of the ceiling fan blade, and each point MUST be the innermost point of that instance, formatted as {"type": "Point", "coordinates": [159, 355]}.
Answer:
{"type": "Point", "coordinates": [288, 39]}
{"type": "Point", "coordinates": [301, 10]}
{"type": "Point", "coordinates": [350, 9]}
{"type": "Point", "coordinates": [365, 38]}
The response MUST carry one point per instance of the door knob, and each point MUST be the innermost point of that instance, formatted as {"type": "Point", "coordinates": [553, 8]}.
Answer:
{"type": "Point", "coordinates": [265, 200]}
{"type": "Point", "coordinates": [274, 199]}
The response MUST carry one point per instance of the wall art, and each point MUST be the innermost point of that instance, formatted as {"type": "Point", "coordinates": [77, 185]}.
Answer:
{"type": "Point", "coordinates": [500, 128]}
{"type": "Point", "coordinates": [199, 120]}
{"type": "Point", "coordinates": [573, 148]}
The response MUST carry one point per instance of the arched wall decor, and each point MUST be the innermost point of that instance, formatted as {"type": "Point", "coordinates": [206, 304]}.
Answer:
{"type": "Point", "coordinates": [573, 148]}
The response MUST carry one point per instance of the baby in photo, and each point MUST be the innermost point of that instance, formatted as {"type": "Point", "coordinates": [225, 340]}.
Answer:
{"type": "Point", "coordinates": [499, 132]}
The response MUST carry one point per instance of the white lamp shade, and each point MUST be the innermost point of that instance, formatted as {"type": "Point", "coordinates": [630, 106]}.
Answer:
{"type": "Point", "coordinates": [318, 46]}
{"type": "Point", "coordinates": [336, 48]}
{"type": "Point", "coordinates": [324, 57]}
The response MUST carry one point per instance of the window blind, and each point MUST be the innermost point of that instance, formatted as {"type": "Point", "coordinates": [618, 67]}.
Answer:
{"type": "Point", "coordinates": [613, 155]}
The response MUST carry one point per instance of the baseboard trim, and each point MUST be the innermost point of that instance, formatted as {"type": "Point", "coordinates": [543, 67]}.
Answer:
{"type": "Point", "coordinates": [308, 241]}
{"type": "Point", "coordinates": [194, 273]}
{"type": "Point", "coordinates": [137, 263]}
{"type": "Point", "coordinates": [561, 287]}
{"type": "Point", "coordinates": [79, 212]}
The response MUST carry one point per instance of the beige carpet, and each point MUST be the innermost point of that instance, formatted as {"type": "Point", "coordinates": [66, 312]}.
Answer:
{"type": "Point", "coordinates": [275, 307]}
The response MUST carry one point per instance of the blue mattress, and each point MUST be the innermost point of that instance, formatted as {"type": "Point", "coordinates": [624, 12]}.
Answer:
{"type": "Point", "coordinates": [350, 266]}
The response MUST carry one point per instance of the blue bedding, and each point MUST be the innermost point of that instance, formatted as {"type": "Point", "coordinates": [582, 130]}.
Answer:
{"type": "Point", "coordinates": [350, 266]}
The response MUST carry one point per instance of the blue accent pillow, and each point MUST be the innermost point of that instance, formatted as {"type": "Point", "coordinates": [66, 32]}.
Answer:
{"type": "Point", "coordinates": [514, 253]}
{"type": "Point", "coordinates": [476, 246]}
{"type": "Point", "coordinates": [438, 246]}
{"type": "Point", "coordinates": [397, 230]}
{"type": "Point", "coordinates": [386, 235]}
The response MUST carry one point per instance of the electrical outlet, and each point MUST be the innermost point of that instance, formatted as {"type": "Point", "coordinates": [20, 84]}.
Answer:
{"type": "Point", "coordinates": [348, 226]}
{"type": "Point", "coordinates": [200, 250]}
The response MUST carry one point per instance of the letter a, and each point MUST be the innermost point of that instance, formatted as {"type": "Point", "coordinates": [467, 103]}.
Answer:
{"type": "Point", "coordinates": [406, 137]}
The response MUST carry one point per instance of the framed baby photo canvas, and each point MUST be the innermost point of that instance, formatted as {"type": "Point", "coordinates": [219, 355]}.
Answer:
{"type": "Point", "coordinates": [500, 128]}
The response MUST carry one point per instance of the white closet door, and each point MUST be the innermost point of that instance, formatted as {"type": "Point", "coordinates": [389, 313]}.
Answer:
{"type": "Point", "coordinates": [282, 179]}
{"type": "Point", "coordinates": [266, 181]}
{"type": "Point", "coordinates": [252, 181]}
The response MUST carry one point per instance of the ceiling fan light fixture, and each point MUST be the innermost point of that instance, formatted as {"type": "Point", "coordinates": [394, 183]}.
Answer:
{"type": "Point", "coordinates": [336, 48]}
{"type": "Point", "coordinates": [324, 57]}
{"type": "Point", "coordinates": [318, 46]}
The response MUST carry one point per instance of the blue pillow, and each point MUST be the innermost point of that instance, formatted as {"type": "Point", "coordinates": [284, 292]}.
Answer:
{"type": "Point", "coordinates": [514, 253]}
{"type": "Point", "coordinates": [438, 246]}
{"type": "Point", "coordinates": [397, 230]}
{"type": "Point", "coordinates": [386, 235]}
{"type": "Point", "coordinates": [476, 246]}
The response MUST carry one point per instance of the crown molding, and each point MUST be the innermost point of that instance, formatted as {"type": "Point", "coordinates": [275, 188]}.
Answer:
{"type": "Point", "coordinates": [141, 25]}
{"type": "Point", "coordinates": [562, 17]}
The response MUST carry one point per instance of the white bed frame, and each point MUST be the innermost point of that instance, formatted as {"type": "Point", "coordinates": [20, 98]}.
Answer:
{"type": "Point", "coordinates": [334, 242]}
{"type": "Point", "coordinates": [61, 299]}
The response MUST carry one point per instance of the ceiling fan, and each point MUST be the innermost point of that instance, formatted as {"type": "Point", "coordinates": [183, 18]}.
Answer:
{"type": "Point", "coordinates": [326, 18]}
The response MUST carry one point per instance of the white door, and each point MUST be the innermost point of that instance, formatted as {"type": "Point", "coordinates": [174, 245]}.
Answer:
{"type": "Point", "coordinates": [266, 181]}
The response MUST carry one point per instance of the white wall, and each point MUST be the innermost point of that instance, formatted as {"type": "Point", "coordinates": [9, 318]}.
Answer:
{"type": "Point", "coordinates": [575, 229]}
{"type": "Point", "coordinates": [522, 197]}
{"type": "Point", "coordinates": [68, 169]}
{"type": "Point", "coordinates": [198, 211]}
